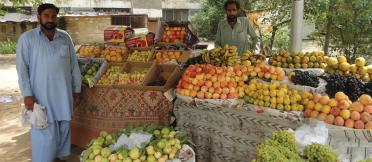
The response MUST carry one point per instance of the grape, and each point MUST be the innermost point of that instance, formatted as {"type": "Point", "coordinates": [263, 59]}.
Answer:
{"type": "Point", "coordinates": [319, 153]}
{"type": "Point", "coordinates": [350, 85]}
{"type": "Point", "coordinates": [281, 146]}
{"type": "Point", "coordinates": [305, 78]}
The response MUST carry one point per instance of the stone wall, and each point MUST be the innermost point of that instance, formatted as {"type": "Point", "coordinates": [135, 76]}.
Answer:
{"type": "Point", "coordinates": [12, 30]}
{"type": "Point", "coordinates": [87, 29]}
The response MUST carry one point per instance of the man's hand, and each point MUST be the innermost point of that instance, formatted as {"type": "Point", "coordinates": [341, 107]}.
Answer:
{"type": "Point", "coordinates": [76, 99]}
{"type": "Point", "coordinates": [29, 102]}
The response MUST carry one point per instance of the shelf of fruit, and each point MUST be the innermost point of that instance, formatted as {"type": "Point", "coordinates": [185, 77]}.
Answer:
{"type": "Point", "coordinates": [174, 34]}
{"type": "Point", "coordinates": [299, 60]}
{"type": "Point", "coordinates": [115, 75]}
{"type": "Point", "coordinates": [340, 65]}
{"type": "Point", "coordinates": [140, 56]}
{"type": "Point", "coordinates": [275, 95]}
{"type": "Point", "coordinates": [165, 144]}
{"type": "Point", "coordinates": [114, 54]}
{"type": "Point", "coordinates": [89, 50]}
{"type": "Point", "coordinates": [340, 111]}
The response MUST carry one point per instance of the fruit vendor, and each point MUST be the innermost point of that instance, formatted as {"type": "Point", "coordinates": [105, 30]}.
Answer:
{"type": "Point", "coordinates": [48, 74]}
{"type": "Point", "coordinates": [234, 30]}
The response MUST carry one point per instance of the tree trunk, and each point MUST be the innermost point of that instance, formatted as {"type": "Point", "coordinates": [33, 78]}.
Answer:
{"type": "Point", "coordinates": [328, 28]}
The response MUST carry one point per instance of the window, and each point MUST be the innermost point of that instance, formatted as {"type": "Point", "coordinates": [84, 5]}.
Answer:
{"type": "Point", "coordinates": [134, 21]}
{"type": "Point", "coordinates": [175, 14]}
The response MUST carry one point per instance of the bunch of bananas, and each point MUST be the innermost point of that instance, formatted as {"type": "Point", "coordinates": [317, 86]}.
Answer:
{"type": "Point", "coordinates": [253, 58]}
{"type": "Point", "coordinates": [226, 56]}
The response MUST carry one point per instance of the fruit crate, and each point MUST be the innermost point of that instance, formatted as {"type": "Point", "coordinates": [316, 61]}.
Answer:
{"type": "Point", "coordinates": [138, 66]}
{"type": "Point", "coordinates": [169, 73]}
{"type": "Point", "coordinates": [131, 67]}
{"type": "Point", "coordinates": [84, 62]}
{"type": "Point", "coordinates": [89, 54]}
{"type": "Point", "coordinates": [123, 53]}
{"type": "Point", "coordinates": [149, 59]}
{"type": "Point", "coordinates": [183, 58]}
{"type": "Point", "coordinates": [190, 38]}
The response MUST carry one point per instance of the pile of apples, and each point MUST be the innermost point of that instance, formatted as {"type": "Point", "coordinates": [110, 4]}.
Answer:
{"type": "Point", "coordinates": [206, 81]}
{"type": "Point", "coordinates": [139, 56]}
{"type": "Point", "coordinates": [263, 71]}
{"type": "Point", "coordinates": [114, 54]}
{"type": "Point", "coordinates": [166, 56]}
{"type": "Point", "coordinates": [341, 66]}
{"type": "Point", "coordinates": [174, 34]}
{"type": "Point", "coordinates": [275, 95]}
{"type": "Point", "coordinates": [116, 76]}
{"type": "Point", "coordinates": [90, 50]}
{"type": "Point", "coordinates": [341, 111]}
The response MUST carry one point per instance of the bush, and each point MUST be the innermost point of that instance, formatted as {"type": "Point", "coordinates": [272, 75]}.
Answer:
{"type": "Point", "coordinates": [8, 47]}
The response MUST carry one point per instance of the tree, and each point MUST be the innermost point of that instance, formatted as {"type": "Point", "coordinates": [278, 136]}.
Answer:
{"type": "Point", "coordinates": [344, 26]}
{"type": "Point", "coordinates": [17, 4]}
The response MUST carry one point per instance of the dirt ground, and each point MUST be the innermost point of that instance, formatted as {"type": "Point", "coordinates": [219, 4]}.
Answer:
{"type": "Point", "coordinates": [15, 144]}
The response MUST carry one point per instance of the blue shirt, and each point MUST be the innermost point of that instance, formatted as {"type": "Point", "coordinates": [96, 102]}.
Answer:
{"type": "Point", "coordinates": [242, 35]}
{"type": "Point", "coordinates": [49, 71]}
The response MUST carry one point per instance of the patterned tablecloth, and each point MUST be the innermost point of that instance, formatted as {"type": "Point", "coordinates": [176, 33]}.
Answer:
{"type": "Point", "coordinates": [227, 134]}
{"type": "Point", "coordinates": [111, 109]}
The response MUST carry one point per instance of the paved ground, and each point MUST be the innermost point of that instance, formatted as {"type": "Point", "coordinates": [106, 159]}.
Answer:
{"type": "Point", "coordinates": [15, 145]}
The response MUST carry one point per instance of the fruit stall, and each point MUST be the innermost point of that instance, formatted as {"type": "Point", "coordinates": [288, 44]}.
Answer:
{"type": "Point", "coordinates": [230, 106]}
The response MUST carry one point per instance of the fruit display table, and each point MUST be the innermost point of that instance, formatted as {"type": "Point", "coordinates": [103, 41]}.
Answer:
{"type": "Point", "coordinates": [110, 109]}
{"type": "Point", "coordinates": [224, 134]}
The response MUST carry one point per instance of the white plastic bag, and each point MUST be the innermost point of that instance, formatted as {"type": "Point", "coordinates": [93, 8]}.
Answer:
{"type": "Point", "coordinates": [36, 118]}
{"type": "Point", "coordinates": [312, 133]}
{"type": "Point", "coordinates": [134, 140]}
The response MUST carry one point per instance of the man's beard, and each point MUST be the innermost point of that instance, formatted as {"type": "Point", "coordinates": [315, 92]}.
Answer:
{"type": "Point", "coordinates": [232, 18]}
{"type": "Point", "coordinates": [49, 26]}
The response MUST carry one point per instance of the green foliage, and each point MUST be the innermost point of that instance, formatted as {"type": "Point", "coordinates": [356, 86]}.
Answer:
{"type": "Point", "coordinates": [367, 160]}
{"type": "Point", "coordinates": [319, 153]}
{"type": "Point", "coordinates": [281, 38]}
{"type": "Point", "coordinates": [207, 19]}
{"type": "Point", "coordinates": [350, 25]}
{"type": "Point", "coordinates": [8, 47]}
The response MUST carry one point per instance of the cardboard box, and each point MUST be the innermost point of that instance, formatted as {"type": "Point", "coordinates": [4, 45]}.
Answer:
{"type": "Point", "coordinates": [140, 41]}
{"type": "Point", "coordinates": [185, 55]}
{"type": "Point", "coordinates": [116, 35]}
{"type": "Point", "coordinates": [149, 59]}
{"type": "Point", "coordinates": [137, 66]}
{"type": "Point", "coordinates": [168, 72]}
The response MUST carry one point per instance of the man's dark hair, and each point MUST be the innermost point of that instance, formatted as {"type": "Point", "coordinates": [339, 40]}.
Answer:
{"type": "Point", "coordinates": [45, 6]}
{"type": "Point", "coordinates": [229, 2]}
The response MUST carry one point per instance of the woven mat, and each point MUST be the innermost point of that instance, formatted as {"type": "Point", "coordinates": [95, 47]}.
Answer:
{"type": "Point", "coordinates": [225, 134]}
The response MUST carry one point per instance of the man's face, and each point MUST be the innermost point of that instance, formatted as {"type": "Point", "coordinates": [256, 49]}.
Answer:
{"type": "Point", "coordinates": [48, 19]}
{"type": "Point", "coordinates": [232, 10]}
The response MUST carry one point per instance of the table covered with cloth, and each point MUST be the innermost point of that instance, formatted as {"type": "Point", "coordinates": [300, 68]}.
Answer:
{"type": "Point", "coordinates": [229, 134]}
{"type": "Point", "coordinates": [110, 109]}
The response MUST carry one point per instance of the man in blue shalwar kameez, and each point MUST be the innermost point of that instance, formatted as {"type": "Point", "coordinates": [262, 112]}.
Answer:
{"type": "Point", "coordinates": [48, 74]}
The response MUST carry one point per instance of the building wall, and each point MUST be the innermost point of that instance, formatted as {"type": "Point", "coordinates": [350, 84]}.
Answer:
{"type": "Point", "coordinates": [87, 29]}
{"type": "Point", "coordinates": [12, 30]}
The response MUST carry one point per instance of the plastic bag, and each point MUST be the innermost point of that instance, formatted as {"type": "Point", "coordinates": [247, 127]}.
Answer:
{"type": "Point", "coordinates": [134, 140]}
{"type": "Point", "coordinates": [36, 118]}
{"type": "Point", "coordinates": [310, 133]}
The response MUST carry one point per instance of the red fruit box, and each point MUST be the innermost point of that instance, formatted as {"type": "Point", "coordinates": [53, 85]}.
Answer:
{"type": "Point", "coordinates": [176, 32]}
{"type": "Point", "coordinates": [140, 41]}
{"type": "Point", "coordinates": [116, 35]}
